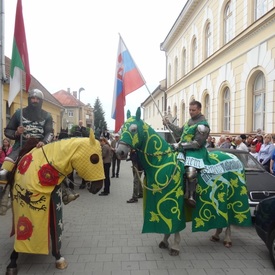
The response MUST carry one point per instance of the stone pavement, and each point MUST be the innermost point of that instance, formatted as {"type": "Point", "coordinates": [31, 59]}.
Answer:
{"type": "Point", "coordinates": [102, 236]}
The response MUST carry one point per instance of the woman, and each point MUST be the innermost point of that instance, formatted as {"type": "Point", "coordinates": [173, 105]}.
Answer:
{"type": "Point", "coordinates": [107, 158]}
{"type": "Point", "coordinates": [5, 150]}
{"type": "Point", "coordinates": [266, 151]}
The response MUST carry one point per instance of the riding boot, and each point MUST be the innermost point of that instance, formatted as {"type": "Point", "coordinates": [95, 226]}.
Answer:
{"type": "Point", "coordinates": [7, 166]}
{"type": "Point", "coordinates": [192, 184]}
{"type": "Point", "coordinates": [68, 194]}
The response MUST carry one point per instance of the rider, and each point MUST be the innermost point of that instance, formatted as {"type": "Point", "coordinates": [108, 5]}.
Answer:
{"type": "Point", "coordinates": [194, 135]}
{"type": "Point", "coordinates": [36, 123]}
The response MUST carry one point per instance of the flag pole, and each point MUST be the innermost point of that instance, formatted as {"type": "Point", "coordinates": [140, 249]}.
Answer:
{"type": "Point", "coordinates": [162, 117]}
{"type": "Point", "coordinates": [21, 108]}
{"type": "Point", "coordinates": [171, 133]}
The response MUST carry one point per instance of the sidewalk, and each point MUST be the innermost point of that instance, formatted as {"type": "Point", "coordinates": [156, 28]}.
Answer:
{"type": "Point", "coordinates": [102, 236]}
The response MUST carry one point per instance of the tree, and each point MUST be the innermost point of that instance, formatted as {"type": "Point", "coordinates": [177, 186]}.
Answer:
{"type": "Point", "coordinates": [99, 117]}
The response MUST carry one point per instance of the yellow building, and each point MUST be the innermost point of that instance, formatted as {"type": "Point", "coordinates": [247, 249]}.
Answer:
{"type": "Point", "coordinates": [221, 53]}
{"type": "Point", "coordinates": [50, 103]}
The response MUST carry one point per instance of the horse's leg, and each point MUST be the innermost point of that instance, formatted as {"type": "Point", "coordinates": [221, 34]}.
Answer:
{"type": "Point", "coordinates": [164, 243]}
{"type": "Point", "coordinates": [12, 267]}
{"type": "Point", "coordinates": [60, 262]}
{"type": "Point", "coordinates": [175, 248]}
{"type": "Point", "coordinates": [216, 236]}
{"type": "Point", "coordinates": [227, 240]}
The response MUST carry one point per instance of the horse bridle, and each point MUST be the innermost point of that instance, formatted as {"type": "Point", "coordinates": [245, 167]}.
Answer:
{"type": "Point", "coordinates": [66, 177]}
{"type": "Point", "coordinates": [138, 172]}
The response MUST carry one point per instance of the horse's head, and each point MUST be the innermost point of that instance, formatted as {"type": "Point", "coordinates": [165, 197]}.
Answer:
{"type": "Point", "coordinates": [130, 136]}
{"type": "Point", "coordinates": [87, 161]}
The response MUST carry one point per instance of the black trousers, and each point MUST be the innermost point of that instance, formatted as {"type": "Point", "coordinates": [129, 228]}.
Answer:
{"type": "Point", "coordinates": [115, 166]}
{"type": "Point", "coordinates": [107, 182]}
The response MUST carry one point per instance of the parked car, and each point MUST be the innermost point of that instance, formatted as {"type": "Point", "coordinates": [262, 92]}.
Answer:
{"type": "Point", "coordinates": [265, 224]}
{"type": "Point", "coordinates": [260, 183]}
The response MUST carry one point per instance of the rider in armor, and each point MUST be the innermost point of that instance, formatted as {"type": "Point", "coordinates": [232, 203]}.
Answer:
{"type": "Point", "coordinates": [33, 123]}
{"type": "Point", "coordinates": [192, 143]}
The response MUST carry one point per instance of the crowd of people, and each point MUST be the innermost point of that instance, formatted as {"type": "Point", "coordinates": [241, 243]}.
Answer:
{"type": "Point", "coordinates": [261, 146]}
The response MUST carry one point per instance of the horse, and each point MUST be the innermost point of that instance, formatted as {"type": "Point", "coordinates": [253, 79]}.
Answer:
{"type": "Point", "coordinates": [221, 193]}
{"type": "Point", "coordinates": [36, 194]}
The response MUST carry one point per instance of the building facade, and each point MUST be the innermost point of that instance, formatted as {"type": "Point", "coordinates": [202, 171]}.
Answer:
{"type": "Point", "coordinates": [221, 53]}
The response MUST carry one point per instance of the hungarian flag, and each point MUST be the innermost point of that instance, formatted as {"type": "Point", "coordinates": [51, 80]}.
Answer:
{"type": "Point", "coordinates": [20, 58]}
{"type": "Point", "coordinates": [127, 79]}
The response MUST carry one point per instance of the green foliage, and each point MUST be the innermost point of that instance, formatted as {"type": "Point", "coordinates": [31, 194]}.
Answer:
{"type": "Point", "coordinates": [99, 116]}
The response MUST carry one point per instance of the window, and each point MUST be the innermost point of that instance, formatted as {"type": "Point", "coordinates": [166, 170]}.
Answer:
{"type": "Point", "coordinates": [208, 39]}
{"type": "Point", "coordinates": [70, 113]}
{"type": "Point", "coordinates": [195, 53]}
{"type": "Point", "coordinates": [259, 102]}
{"type": "Point", "coordinates": [183, 62]}
{"type": "Point", "coordinates": [176, 70]}
{"type": "Point", "coordinates": [226, 110]}
{"type": "Point", "coordinates": [260, 8]}
{"type": "Point", "coordinates": [228, 23]}
{"type": "Point", "coordinates": [169, 75]}
{"type": "Point", "coordinates": [207, 107]}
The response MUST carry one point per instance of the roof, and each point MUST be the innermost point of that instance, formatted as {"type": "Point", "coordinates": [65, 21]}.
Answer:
{"type": "Point", "coordinates": [67, 99]}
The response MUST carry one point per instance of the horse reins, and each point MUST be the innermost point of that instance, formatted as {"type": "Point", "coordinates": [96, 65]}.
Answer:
{"type": "Point", "coordinates": [56, 169]}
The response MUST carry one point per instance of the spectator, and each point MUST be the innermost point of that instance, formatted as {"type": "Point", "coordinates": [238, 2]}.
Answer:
{"type": "Point", "coordinates": [249, 140]}
{"type": "Point", "coordinates": [272, 163]}
{"type": "Point", "coordinates": [258, 141]}
{"type": "Point", "coordinates": [213, 141]}
{"type": "Point", "coordinates": [243, 136]}
{"type": "Point", "coordinates": [106, 134]}
{"type": "Point", "coordinates": [224, 142]}
{"type": "Point", "coordinates": [137, 172]}
{"type": "Point", "coordinates": [107, 157]}
{"type": "Point", "coordinates": [266, 151]}
{"type": "Point", "coordinates": [210, 143]}
{"type": "Point", "coordinates": [253, 151]}
{"type": "Point", "coordinates": [115, 160]}
{"type": "Point", "coordinates": [5, 150]}
{"type": "Point", "coordinates": [232, 143]}
{"type": "Point", "coordinates": [240, 144]}
{"type": "Point", "coordinates": [80, 130]}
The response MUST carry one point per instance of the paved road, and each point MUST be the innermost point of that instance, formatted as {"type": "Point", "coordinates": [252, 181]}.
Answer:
{"type": "Point", "coordinates": [102, 236]}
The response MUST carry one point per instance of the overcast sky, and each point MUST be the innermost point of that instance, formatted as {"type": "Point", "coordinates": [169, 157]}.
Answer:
{"type": "Point", "coordinates": [73, 44]}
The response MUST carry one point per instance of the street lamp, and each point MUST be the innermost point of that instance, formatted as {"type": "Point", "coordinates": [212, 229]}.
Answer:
{"type": "Point", "coordinates": [79, 91]}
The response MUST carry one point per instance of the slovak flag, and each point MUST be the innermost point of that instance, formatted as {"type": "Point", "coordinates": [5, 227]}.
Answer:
{"type": "Point", "coordinates": [127, 79]}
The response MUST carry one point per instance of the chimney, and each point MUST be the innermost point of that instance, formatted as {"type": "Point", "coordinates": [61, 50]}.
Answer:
{"type": "Point", "coordinates": [69, 90]}
{"type": "Point", "coordinates": [75, 94]}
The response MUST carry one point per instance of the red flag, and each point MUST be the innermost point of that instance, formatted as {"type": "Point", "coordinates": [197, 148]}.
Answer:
{"type": "Point", "coordinates": [127, 79]}
{"type": "Point", "coordinates": [20, 58]}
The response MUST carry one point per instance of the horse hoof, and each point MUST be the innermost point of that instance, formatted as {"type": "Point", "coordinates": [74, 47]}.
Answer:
{"type": "Point", "coordinates": [174, 252]}
{"type": "Point", "coordinates": [11, 271]}
{"type": "Point", "coordinates": [163, 245]}
{"type": "Point", "coordinates": [214, 239]}
{"type": "Point", "coordinates": [61, 263]}
{"type": "Point", "coordinates": [227, 244]}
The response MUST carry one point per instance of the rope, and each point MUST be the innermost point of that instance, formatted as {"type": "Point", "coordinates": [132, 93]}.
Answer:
{"type": "Point", "coordinates": [66, 177]}
{"type": "Point", "coordinates": [150, 189]}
